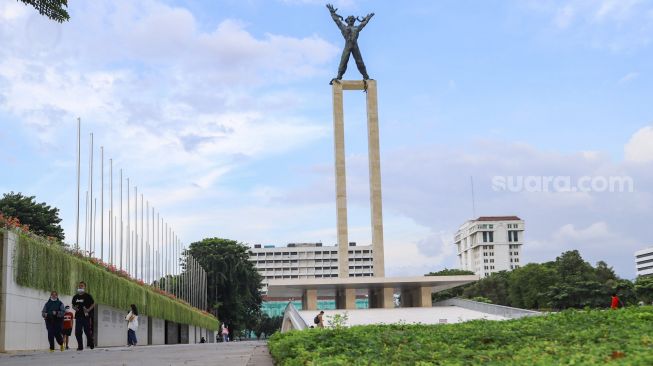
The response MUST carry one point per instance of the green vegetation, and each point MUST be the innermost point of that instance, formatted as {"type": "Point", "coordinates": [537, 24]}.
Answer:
{"type": "Point", "coordinates": [53, 9]}
{"type": "Point", "coordinates": [44, 266]}
{"type": "Point", "coordinates": [41, 219]}
{"type": "Point", "coordinates": [572, 337]}
{"type": "Point", "coordinates": [233, 282]}
{"type": "Point", "coordinates": [453, 292]}
{"type": "Point", "coordinates": [567, 282]}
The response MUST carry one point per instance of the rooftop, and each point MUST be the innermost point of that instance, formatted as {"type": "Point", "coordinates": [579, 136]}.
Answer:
{"type": "Point", "coordinates": [498, 218]}
{"type": "Point", "coordinates": [294, 287]}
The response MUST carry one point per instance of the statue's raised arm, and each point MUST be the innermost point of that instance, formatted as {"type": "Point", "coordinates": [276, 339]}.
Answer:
{"type": "Point", "coordinates": [365, 20]}
{"type": "Point", "coordinates": [334, 15]}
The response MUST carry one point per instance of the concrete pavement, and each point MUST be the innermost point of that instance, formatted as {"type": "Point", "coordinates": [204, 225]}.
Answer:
{"type": "Point", "coordinates": [248, 353]}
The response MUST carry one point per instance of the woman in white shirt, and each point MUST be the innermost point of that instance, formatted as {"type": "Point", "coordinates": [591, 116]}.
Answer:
{"type": "Point", "coordinates": [132, 326]}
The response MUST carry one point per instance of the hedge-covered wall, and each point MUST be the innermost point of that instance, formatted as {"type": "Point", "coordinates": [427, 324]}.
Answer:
{"type": "Point", "coordinates": [47, 267]}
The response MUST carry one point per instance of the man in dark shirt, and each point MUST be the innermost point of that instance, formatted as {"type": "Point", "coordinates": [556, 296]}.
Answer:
{"type": "Point", "coordinates": [84, 306]}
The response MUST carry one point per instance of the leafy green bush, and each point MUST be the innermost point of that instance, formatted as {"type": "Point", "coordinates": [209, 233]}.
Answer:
{"type": "Point", "coordinates": [48, 267]}
{"type": "Point", "coordinates": [594, 337]}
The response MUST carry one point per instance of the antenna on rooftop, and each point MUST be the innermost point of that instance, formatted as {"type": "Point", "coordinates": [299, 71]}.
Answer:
{"type": "Point", "coordinates": [471, 179]}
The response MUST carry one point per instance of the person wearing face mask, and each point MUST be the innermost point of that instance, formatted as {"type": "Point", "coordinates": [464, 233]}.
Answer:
{"type": "Point", "coordinates": [53, 312]}
{"type": "Point", "coordinates": [84, 306]}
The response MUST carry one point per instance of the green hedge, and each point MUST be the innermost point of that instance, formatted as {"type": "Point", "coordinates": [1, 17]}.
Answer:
{"type": "Point", "coordinates": [594, 337]}
{"type": "Point", "coordinates": [47, 267]}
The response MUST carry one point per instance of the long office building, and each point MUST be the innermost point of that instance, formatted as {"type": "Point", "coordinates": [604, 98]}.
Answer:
{"type": "Point", "coordinates": [309, 260]}
{"type": "Point", "coordinates": [644, 262]}
{"type": "Point", "coordinates": [490, 244]}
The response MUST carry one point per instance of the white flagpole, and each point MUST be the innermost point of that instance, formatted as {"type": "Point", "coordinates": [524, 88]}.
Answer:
{"type": "Point", "coordinates": [127, 259]}
{"type": "Point", "coordinates": [111, 215]}
{"type": "Point", "coordinates": [121, 223]}
{"type": "Point", "coordinates": [79, 158]}
{"type": "Point", "coordinates": [102, 206]}
{"type": "Point", "coordinates": [93, 227]}
{"type": "Point", "coordinates": [147, 240]}
{"type": "Point", "coordinates": [86, 220]}
{"type": "Point", "coordinates": [142, 237]}
{"type": "Point", "coordinates": [90, 178]}
{"type": "Point", "coordinates": [135, 258]}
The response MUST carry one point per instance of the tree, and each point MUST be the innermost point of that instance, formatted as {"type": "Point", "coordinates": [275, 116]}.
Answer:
{"type": "Point", "coordinates": [42, 219]}
{"type": "Point", "coordinates": [452, 292]}
{"type": "Point", "coordinates": [494, 288]}
{"type": "Point", "coordinates": [528, 285]}
{"type": "Point", "coordinates": [53, 9]}
{"type": "Point", "coordinates": [644, 288]}
{"type": "Point", "coordinates": [450, 272]}
{"type": "Point", "coordinates": [604, 273]}
{"type": "Point", "coordinates": [233, 282]}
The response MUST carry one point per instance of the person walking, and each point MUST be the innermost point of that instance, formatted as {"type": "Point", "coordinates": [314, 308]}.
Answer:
{"type": "Point", "coordinates": [614, 303]}
{"type": "Point", "coordinates": [68, 317]}
{"type": "Point", "coordinates": [224, 331]}
{"type": "Point", "coordinates": [84, 306]}
{"type": "Point", "coordinates": [319, 320]}
{"type": "Point", "coordinates": [132, 326]}
{"type": "Point", "coordinates": [53, 312]}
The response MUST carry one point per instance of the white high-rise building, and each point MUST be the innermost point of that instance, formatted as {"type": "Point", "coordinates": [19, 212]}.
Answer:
{"type": "Point", "coordinates": [644, 262]}
{"type": "Point", "coordinates": [490, 244]}
{"type": "Point", "coordinates": [309, 260]}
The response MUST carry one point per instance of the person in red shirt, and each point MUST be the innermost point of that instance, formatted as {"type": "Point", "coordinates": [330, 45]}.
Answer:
{"type": "Point", "coordinates": [67, 325]}
{"type": "Point", "coordinates": [614, 304]}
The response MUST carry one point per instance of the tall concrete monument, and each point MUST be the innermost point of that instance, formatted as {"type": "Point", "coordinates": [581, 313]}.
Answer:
{"type": "Point", "coordinates": [415, 290]}
{"type": "Point", "coordinates": [374, 171]}
{"type": "Point", "coordinates": [350, 32]}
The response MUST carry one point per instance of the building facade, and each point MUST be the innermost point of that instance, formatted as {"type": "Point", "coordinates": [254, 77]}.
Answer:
{"type": "Point", "coordinates": [309, 260]}
{"type": "Point", "coordinates": [644, 262]}
{"type": "Point", "coordinates": [490, 244]}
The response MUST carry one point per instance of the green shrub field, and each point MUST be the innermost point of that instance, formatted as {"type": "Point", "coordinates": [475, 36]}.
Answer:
{"type": "Point", "coordinates": [572, 337]}
{"type": "Point", "coordinates": [48, 267]}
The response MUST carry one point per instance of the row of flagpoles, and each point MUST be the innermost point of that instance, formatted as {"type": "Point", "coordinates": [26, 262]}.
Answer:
{"type": "Point", "coordinates": [133, 236]}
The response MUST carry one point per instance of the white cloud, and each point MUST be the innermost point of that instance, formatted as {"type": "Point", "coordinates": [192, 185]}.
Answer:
{"type": "Point", "coordinates": [639, 148]}
{"type": "Point", "coordinates": [629, 77]}
{"type": "Point", "coordinates": [569, 233]}
{"type": "Point", "coordinates": [614, 25]}
{"type": "Point", "coordinates": [564, 16]}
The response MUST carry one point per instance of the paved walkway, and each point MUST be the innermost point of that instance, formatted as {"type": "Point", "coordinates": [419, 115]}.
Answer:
{"type": "Point", "coordinates": [251, 353]}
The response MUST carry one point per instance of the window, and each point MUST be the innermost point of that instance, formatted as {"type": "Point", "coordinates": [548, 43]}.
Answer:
{"type": "Point", "coordinates": [513, 236]}
{"type": "Point", "coordinates": [488, 236]}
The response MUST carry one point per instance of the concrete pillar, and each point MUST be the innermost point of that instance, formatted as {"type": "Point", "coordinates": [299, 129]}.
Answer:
{"type": "Point", "coordinates": [341, 181]}
{"type": "Point", "coordinates": [382, 298]}
{"type": "Point", "coordinates": [346, 298]}
{"type": "Point", "coordinates": [309, 300]}
{"type": "Point", "coordinates": [416, 297]}
{"type": "Point", "coordinates": [374, 159]}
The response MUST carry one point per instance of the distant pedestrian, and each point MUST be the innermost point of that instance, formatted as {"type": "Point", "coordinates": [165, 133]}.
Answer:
{"type": "Point", "coordinates": [53, 312]}
{"type": "Point", "coordinates": [614, 304]}
{"type": "Point", "coordinates": [132, 325]}
{"type": "Point", "coordinates": [224, 331]}
{"type": "Point", "coordinates": [319, 320]}
{"type": "Point", "coordinates": [68, 317]}
{"type": "Point", "coordinates": [203, 340]}
{"type": "Point", "coordinates": [84, 306]}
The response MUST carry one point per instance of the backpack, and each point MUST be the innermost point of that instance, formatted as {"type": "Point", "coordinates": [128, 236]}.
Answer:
{"type": "Point", "coordinates": [316, 320]}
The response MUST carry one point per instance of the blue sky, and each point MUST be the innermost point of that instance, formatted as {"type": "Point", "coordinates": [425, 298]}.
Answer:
{"type": "Point", "coordinates": [220, 112]}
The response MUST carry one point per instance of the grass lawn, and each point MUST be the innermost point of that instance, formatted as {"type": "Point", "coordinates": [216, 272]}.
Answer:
{"type": "Point", "coordinates": [592, 337]}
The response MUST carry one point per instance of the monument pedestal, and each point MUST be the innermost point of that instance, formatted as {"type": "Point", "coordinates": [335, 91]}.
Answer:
{"type": "Point", "coordinates": [374, 170]}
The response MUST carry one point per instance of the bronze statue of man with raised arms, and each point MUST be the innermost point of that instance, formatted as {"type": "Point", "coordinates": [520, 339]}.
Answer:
{"type": "Point", "coordinates": [350, 32]}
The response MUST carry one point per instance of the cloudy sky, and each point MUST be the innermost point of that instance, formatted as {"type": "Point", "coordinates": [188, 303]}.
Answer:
{"type": "Point", "coordinates": [219, 111]}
